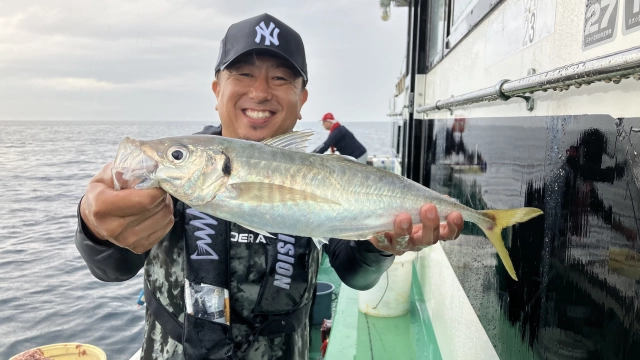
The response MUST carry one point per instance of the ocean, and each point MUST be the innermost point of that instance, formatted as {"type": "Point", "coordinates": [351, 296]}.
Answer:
{"type": "Point", "coordinates": [47, 294]}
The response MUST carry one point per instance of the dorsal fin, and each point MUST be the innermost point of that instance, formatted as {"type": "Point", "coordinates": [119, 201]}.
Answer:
{"type": "Point", "coordinates": [295, 140]}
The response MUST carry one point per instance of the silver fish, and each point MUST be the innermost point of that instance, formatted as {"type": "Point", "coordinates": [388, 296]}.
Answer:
{"type": "Point", "coordinates": [274, 186]}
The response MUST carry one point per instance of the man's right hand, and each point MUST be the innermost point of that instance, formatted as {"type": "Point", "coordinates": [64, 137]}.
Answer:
{"type": "Point", "coordinates": [133, 219]}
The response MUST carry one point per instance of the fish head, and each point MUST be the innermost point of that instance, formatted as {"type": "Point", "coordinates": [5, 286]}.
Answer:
{"type": "Point", "coordinates": [181, 166]}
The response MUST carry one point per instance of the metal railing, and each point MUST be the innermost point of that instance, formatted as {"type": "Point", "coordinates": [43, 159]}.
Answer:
{"type": "Point", "coordinates": [609, 68]}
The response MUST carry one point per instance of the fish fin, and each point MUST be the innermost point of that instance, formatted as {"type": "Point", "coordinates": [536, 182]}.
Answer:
{"type": "Point", "coordinates": [294, 140]}
{"type": "Point", "coordinates": [267, 193]}
{"type": "Point", "coordinates": [261, 232]}
{"type": "Point", "coordinates": [319, 241]}
{"type": "Point", "coordinates": [502, 219]}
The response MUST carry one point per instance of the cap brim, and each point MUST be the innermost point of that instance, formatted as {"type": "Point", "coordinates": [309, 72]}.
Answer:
{"type": "Point", "coordinates": [267, 51]}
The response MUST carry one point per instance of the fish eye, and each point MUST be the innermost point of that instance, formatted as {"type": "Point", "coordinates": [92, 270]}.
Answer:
{"type": "Point", "coordinates": [177, 154]}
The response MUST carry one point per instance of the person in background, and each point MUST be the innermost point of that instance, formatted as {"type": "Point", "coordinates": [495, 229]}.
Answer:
{"type": "Point", "coordinates": [341, 139]}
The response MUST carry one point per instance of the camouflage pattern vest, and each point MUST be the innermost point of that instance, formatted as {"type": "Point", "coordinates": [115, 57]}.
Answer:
{"type": "Point", "coordinates": [264, 312]}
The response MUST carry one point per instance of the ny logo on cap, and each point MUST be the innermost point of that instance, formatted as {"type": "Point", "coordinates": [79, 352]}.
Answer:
{"type": "Point", "coordinates": [268, 38]}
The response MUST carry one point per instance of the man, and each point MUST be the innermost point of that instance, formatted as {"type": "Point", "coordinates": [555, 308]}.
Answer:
{"type": "Point", "coordinates": [342, 139]}
{"type": "Point", "coordinates": [261, 75]}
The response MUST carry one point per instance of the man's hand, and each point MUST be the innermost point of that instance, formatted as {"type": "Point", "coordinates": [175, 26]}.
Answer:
{"type": "Point", "coordinates": [406, 237]}
{"type": "Point", "coordinates": [133, 219]}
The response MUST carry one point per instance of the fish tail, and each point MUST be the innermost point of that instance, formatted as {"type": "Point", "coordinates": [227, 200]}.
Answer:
{"type": "Point", "coordinates": [500, 219]}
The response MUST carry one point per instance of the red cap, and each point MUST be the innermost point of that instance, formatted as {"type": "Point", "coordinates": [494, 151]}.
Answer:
{"type": "Point", "coordinates": [327, 116]}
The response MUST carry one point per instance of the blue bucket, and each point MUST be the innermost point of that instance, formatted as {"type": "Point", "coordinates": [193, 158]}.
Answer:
{"type": "Point", "coordinates": [322, 307]}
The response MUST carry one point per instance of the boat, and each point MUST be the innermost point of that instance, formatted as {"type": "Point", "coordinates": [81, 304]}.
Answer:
{"type": "Point", "coordinates": [510, 103]}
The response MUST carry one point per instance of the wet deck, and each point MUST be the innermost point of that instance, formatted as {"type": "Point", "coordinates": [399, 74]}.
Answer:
{"type": "Point", "coordinates": [359, 336]}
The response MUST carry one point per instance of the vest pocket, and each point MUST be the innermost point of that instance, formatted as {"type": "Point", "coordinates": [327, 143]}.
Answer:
{"type": "Point", "coordinates": [204, 339]}
{"type": "Point", "coordinates": [207, 302]}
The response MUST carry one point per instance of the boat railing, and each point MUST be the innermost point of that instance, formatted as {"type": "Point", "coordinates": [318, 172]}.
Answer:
{"type": "Point", "coordinates": [610, 68]}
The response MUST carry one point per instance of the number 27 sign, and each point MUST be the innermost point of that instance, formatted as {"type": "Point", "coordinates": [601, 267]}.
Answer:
{"type": "Point", "coordinates": [601, 18]}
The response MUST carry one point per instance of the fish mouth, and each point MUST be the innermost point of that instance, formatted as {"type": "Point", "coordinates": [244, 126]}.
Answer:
{"type": "Point", "coordinates": [133, 168]}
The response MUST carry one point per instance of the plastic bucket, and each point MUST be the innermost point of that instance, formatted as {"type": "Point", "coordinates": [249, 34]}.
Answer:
{"type": "Point", "coordinates": [390, 297]}
{"type": "Point", "coordinates": [71, 351]}
{"type": "Point", "coordinates": [322, 306]}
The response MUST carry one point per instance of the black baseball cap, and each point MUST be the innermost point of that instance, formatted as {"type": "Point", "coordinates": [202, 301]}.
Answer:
{"type": "Point", "coordinates": [263, 33]}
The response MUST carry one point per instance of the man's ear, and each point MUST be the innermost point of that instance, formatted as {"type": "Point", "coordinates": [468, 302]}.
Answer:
{"type": "Point", "coordinates": [215, 86]}
{"type": "Point", "coordinates": [303, 99]}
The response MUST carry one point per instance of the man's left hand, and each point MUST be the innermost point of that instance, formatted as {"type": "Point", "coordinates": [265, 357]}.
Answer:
{"type": "Point", "coordinates": [406, 237]}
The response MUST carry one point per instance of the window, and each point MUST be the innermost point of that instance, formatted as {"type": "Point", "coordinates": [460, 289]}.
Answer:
{"type": "Point", "coordinates": [460, 8]}
{"type": "Point", "coordinates": [449, 21]}
{"type": "Point", "coordinates": [465, 15]}
{"type": "Point", "coordinates": [435, 32]}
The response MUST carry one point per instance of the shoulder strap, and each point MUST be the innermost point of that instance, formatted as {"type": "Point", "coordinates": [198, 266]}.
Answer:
{"type": "Point", "coordinates": [169, 322]}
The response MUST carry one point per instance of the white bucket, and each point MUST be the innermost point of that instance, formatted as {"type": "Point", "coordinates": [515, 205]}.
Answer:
{"type": "Point", "coordinates": [390, 296]}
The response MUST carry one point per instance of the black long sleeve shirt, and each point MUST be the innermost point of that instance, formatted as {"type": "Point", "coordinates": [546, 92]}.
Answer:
{"type": "Point", "coordinates": [344, 141]}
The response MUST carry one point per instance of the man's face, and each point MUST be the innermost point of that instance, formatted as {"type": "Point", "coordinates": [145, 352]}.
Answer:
{"type": "Point", "coordinates": [327, 125]}
{"type": "Point", "coordinates": [259, 97]}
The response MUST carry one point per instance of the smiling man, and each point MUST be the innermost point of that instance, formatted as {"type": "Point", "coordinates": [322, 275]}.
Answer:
{"type": "Point", "coordinates": [258, 96]}
{"type": "Point", "coordinates": [251, 298]}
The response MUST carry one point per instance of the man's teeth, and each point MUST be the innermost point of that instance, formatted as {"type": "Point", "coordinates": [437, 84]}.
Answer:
{"type": "Point", "coordinates": [257, 114]}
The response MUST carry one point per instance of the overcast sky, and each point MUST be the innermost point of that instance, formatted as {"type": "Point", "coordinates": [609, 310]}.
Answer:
{"type": "Point", "coordinates": [154, 59]}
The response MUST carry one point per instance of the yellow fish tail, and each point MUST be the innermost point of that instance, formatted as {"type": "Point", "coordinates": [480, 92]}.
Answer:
{"type": "Point", "coordinates": [501, 219]}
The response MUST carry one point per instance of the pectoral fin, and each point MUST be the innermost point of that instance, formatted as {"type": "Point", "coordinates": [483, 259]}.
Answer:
{"type": "Point", "coordinates": [266, 193]}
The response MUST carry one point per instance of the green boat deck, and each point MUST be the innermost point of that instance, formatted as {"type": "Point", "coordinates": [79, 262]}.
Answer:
{"type": "Point", "coordinates": [355, 335]}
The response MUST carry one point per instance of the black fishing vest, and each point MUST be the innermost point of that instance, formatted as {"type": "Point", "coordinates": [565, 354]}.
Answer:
{"type": "Point", "coordinates": [284, 299]}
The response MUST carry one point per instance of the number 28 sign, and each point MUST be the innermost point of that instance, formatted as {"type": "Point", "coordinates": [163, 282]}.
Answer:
{"type": "Point", "coordinates": [600, 21]}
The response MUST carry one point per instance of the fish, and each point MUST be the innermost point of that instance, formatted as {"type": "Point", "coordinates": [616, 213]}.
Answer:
{"type": "Point", "coordinates": [275, 186]}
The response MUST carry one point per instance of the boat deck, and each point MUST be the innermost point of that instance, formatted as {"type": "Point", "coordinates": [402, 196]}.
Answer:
{"type": "Point", "coordinates": [356, 335]}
